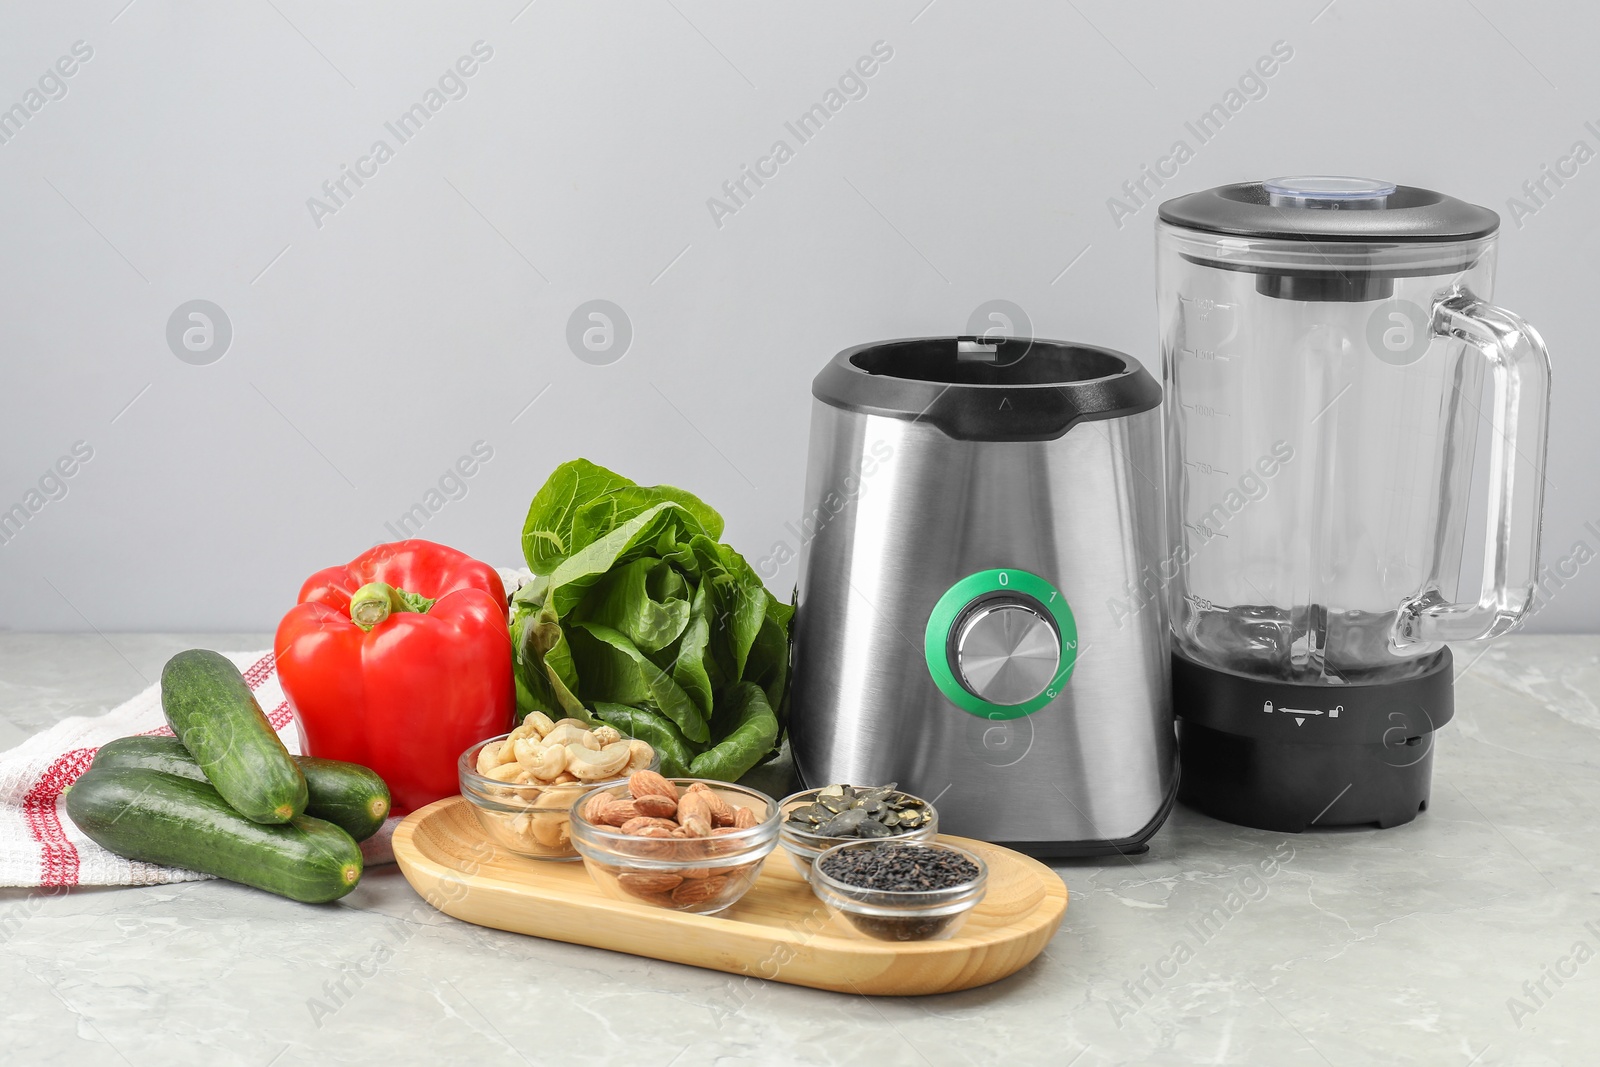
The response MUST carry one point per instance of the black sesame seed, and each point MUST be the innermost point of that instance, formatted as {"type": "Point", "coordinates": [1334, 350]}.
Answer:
{"type": "Point", "coordinates": [900, 868]}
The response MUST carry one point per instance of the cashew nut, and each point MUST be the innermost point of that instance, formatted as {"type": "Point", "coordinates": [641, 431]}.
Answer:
{"type": "Point", "coordinates": [540, 722]}
{"type": "Point", "coordinates": [493, 755]}
{"type": "Point", "coordinates": [550, 829]}
{"type": "Point", "coordinates": [579, 723]}
{"type": "Point", "coordinates": [506, 772]}
{"type": "Point", "coordinates": [639, 755]}
{"type": "Point", "coordinates": [542, 761]}
{"type": "Point", "coordinates": [591, 766]}
{"type": "Point", "coordinates": [607, 735]}
{"type": "Point", "coordinates": [566, 734]}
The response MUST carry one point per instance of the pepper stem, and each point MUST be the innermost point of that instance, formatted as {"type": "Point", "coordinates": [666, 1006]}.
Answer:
{"type": "Point", "coordinates": [376, 601]}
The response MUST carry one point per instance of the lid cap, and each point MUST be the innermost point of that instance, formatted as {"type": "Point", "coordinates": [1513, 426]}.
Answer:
{"type": "Point", "coordinates": [1324, 192]}
{"type": "Point", "coordinates": [1329, 208]}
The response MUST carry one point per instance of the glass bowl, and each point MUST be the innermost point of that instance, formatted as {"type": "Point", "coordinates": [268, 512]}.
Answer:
{"type": "Point", "coordinates": [530, 820]}
{"type": "Point", "coordinates": [900, 915]}
{"type": "Point", "coordinates": [702, 875]}
{"type": "Point", "coordinates": [804, 848]}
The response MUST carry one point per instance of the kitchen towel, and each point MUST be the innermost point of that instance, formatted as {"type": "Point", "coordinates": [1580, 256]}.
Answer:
{"type": "Point", "coordinates": [39, 846]}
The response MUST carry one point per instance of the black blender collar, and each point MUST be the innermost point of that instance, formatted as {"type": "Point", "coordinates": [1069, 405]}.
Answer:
{"type": "Point", "coordinates": [987, 388]}
{"type": "Point", "coordinates": [1316, 208]}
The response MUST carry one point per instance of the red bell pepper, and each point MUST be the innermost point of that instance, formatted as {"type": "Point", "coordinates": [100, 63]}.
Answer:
{"type": "Point", "coordinates": [399, 661]}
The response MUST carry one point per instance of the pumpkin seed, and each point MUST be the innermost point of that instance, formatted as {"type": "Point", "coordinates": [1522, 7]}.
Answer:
{"type": "Point", "coordinates": [844, 823]}
{"type": "Point", "coordinates": [845, 811]}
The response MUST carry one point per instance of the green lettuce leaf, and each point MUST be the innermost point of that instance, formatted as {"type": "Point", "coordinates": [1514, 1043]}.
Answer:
{"type": "Point", "coordinates": [768, 666]}
{"type": "Point", "coordinates": [748, 729]}
{"type": "Point", "coordinates": [607, 512]}
{"type": "Point", "coordinates": [627, 676]}
{"type": "Point", "coordinates": [622, 600]}
{"type": "Point", "coordinates": [547, 533]}
{"type": "Point", "coordinates": [634, 539]}
{"type": "Point", "coordinates": [542, 665]}
{"type": "Point", "coordinates": [689, 665]}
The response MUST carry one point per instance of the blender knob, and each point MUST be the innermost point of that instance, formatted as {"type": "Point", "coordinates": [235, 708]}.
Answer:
{"type": "Point", "coordinates": [1006, 652]}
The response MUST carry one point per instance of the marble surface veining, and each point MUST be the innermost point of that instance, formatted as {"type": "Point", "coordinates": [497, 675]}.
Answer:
{"type": "Point", "coordinates": [1467, 937]}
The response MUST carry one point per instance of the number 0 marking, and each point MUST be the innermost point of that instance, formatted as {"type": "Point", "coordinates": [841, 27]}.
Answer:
{"type": "Point", "coordinates": [1003, 578]}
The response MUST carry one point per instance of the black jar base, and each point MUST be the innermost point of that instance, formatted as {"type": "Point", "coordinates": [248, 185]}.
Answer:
{"type": "Point", "coordinates": [1289, 757]}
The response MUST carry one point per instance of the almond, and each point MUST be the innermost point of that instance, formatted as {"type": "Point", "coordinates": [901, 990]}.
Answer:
{"type": "Point", "coordinates": [744, 818]}
{"type": "Point", "coordinates": [655, 805]}
{"type": "Point", "coordinates": [618, 812]}
{"type": "Point", "coordinates": [641, 882]}
{"type": "Point", "coordinates": [650, 842]}
{"type": "Point", "coordinates": [721, 810]}
{"type": "Point", "coordinates": [650, 783]}
{"type": "Point", "coordinates": [699, 890]}
{"type": "Point", "coordinates": [641, 822]}
{"type": "Point", "coordinates": [595, 807]}
{"type": "Point", "coordinates": [714, 846]}
{"type": "Point", "coordinates": [694, 813]}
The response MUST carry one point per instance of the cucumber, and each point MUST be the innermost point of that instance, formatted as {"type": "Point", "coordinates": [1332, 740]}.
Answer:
{"type": "Point", "coordinates": [162, 818]}
{"type": "Point", "coordinates": [214, 714]}
{"type": "Point", "coordinates": [348, 795]}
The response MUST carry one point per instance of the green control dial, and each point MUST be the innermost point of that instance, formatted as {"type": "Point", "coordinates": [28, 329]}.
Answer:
{"type": "Point", "coordinates": [1001, 643]}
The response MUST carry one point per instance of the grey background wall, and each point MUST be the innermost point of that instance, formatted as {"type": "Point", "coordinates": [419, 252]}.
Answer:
{"type": "Point", "coordinates": [362, 340]}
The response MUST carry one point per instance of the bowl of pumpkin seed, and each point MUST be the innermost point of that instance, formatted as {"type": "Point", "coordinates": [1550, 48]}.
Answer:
{"type": "Point", "coordinates": [814, 820]}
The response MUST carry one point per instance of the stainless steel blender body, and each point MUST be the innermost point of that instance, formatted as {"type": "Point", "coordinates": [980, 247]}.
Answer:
{"type": "Point", "coordinates": [1326, 347]}
{"type": "Point", "coordinates": [979, 611]}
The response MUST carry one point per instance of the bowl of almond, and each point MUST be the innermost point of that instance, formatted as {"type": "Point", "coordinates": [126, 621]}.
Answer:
{"type": "Point", "coordinates": [687, 844]}
{"type": "Point", "coordinates": [523, 784]}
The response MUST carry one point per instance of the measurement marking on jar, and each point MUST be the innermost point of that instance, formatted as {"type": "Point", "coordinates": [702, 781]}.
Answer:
{"type": "Point", "coordinates": [1203, 467]}
{"type": "Point", "coordinates": [1206, 411]}
{"type": "Point", "coordinates": [1204, 305]}
{"type": "Point", "coordinates": [1199, 602]}
{"type": "Point", "coordinates": [1203, 530]}
{"type": "Point", "coordinates": [1205, 354]}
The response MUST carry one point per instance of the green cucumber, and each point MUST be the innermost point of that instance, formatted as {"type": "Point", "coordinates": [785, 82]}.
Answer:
{"type": "Point", "coordinates": [348, 795]}
{"type": "Point", "coordinates": [214, 714]}
{"type": "Point", "coordinates": [162, 818]}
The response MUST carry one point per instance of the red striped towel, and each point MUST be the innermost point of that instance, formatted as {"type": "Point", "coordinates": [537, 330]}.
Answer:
{"type": "Point", "coordinates": [39, 846]}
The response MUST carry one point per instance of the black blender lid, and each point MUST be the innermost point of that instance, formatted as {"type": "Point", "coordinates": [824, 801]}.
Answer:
{"type": "Point", "coordinates": [1325, 208]}
{"type": "Point", "coordinates": [988, 388]}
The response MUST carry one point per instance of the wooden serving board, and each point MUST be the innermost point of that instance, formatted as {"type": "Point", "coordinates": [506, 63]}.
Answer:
{"type": "Point", "coordinates": [779, 930]}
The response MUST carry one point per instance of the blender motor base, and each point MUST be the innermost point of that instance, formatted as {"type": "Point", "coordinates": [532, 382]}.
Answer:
{"type": "Point", "coordinates": [1286, 756]}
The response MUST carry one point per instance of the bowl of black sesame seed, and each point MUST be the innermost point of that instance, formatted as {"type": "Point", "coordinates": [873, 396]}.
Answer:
{"type": "Point", "coordinates": [900, 891]}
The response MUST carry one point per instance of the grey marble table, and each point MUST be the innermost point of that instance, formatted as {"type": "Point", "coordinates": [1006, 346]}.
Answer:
{"type": "Point", "coordinates": [1463, 938]}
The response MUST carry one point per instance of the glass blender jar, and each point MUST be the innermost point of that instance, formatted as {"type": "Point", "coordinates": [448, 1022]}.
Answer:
{"type": "Point", "coordinates": [1326, 345]}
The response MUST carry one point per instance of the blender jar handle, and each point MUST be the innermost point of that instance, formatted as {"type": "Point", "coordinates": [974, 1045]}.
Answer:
{"type": "Point", "coordinates": [1521, 374]}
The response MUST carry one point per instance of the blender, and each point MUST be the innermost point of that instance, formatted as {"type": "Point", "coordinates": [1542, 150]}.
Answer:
{"type": "Point", "coordinates": [1327, 346]}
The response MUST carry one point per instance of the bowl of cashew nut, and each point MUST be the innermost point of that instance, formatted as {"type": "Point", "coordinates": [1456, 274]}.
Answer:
{"type": "Point", "coordinates": [523, 784]}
